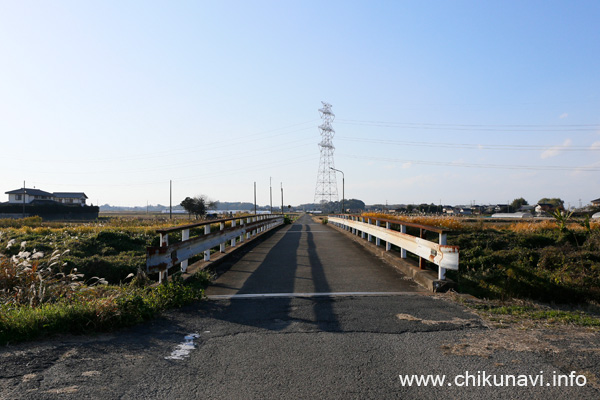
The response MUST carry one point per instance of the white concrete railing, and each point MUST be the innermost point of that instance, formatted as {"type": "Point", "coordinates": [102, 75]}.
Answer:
{"type": "Point", "coordinates": [446, 257]}
{"type": "Point", "coordinates": [162, 258]}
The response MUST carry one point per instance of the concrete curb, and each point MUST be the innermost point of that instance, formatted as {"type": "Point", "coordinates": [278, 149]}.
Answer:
{"type": "Point", "coordinates": [426, 278]}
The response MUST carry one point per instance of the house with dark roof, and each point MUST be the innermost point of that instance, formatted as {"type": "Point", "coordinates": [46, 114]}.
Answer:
{"type": "Point", "coordinates": [29, 196]}
{"type": "Point", "coordinates": [70, 197]}
{"type": "Point", "coordinates": [596, 202]}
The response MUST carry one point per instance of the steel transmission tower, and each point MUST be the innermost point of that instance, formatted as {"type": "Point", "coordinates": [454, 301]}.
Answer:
{"type": "Point", "coordinates": [326, 183]}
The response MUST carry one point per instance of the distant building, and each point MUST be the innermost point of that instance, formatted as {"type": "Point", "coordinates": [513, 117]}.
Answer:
{"type": "Point", "coordinates": [596, 202]}
{"type": "Point", "coordinates": [448, 210]}
{"type": "Point", "coordinates": [513, 215]}
{"type": "Point", "coordinates": [543, 207]}
{"type": "Point", "coordinates": [526, 208]}
{"type": "Point", "coordinates": [28, 196]}
{"type": "Point", "coordinates": [70, 198]}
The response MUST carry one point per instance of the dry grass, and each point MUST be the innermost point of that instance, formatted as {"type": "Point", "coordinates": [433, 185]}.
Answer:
{"type": "Point", "coordinates": [437, 221]}
{"type": "Point", "coordinates": [546, 225]}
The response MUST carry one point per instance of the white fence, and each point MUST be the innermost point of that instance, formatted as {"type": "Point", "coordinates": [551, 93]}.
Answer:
{"type": "Point", "coordinates": [446, 257]}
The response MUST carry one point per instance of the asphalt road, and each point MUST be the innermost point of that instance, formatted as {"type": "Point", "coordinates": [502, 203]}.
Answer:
{"type": "Point", "coordinates": [328, 346]}
{"type": "Point", "coordinates": [308, 257]}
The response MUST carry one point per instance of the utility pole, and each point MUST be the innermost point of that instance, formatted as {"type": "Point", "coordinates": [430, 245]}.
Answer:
{"type": "Point", "coordinates": [271, 194]}
{"type": "Point", "coordinates": [24, 193]}
{"type": "Point", "coordinates": [281, 198]}
{"type": "Point", "coordinates": [344, 188]}
{"type": "Point", "coordinates": [170, 199]}
{"type": "Point", "coordinates": [254, 198]}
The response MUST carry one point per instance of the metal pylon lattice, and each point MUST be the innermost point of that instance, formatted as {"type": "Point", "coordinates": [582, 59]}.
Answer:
{"type": "Point", "coordinates": [326, 189]}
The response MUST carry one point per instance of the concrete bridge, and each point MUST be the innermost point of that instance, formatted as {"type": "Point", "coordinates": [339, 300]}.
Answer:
{"type": "Point", "coordinates": [304, 313]}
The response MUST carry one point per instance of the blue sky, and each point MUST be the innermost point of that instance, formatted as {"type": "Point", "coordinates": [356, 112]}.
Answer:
{"type": "Point", "coordinates": [435, 101]}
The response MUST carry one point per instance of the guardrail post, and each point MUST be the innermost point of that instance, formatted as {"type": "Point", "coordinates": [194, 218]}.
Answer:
{"type": "Point", "coordinates": [388, 245]}
{"type": "Point", "coordinates": [222, 246]}
{"type": "Point", "coordinates": [442, 271]}
{"type": "Point", "coordinates": [162, 274]}
{"type": "Point", "coordinates": [164, 239]}
{"type": "Point", "coordinates": [362, 233]}
{"type": "Point", "coordinates": [233, 226]}
{"type": "Point", "coordinates": [185, 235]}
{"type": "Point", "coordinates": [369, 235]}
{"type": "Point", "coordinates": [377, 240]}
{"type": "Point", "coordinates": [207, 252]}
{"type": "Point", "coordinates": [402, 251]}
{"type": "Point", "coordinates": [421, 260]}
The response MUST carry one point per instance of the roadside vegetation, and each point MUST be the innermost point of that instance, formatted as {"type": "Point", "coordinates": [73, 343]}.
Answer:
{"type": "Point", "coordinates": [58, 277]}
{"type": "Point", "coordinates": [81, 278]}
{"type": "Point", "coordinates": [520, 266]}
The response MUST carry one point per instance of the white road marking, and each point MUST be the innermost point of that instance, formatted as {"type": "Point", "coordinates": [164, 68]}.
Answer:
{"type": "Point", "coordinates": [183, 350]}
{"type": "Point", "coordinates": [330, 294]}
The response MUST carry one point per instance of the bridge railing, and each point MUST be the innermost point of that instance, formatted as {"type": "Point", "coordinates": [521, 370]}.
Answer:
{"type": "Point", "coordinates": [444, 256]}
{"type": "Point", "coordinates": [234, 230]}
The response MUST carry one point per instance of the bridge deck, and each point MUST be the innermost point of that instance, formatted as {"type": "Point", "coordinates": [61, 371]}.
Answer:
{"type": "Point", "coordinates": [308, 257]}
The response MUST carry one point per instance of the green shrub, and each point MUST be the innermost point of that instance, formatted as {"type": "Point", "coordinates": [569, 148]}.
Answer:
{"type": "Point", "coordinates": [551, 266]}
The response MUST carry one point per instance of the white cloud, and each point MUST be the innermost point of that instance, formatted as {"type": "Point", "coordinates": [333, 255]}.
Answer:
{"type": "Point", "coordinates": [563, 115]}
{"type": "Point", "coordinates": [417, 180]}
{"type": "Point", "coordinates": [585, 169]}
{"type": "Point", "coordinates": [595, 146]}
{"type": "Point", "coordinates": [554, 151]}
{"type": "Point", "coordinates": [407, 165]}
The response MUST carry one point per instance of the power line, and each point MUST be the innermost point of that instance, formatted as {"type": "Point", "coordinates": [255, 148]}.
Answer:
{"type": "Point", "coordinates": [206, 146]}
{"type": "Point", "coordinates": [472, 165]}
{"type": "Point", "coordinates": [473, 146]}
{"type": "Point", "coordinates": [476, 127]}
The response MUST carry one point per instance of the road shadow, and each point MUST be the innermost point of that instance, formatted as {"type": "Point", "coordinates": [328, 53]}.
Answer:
{"type": "Point", "coordinates": [277, 274]}
{"type": "Point", "coordinates": [323, 309]}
